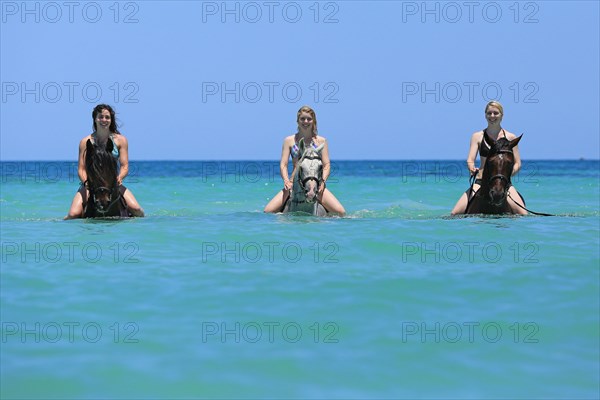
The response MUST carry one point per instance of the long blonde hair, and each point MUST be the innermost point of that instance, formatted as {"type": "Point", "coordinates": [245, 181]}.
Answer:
{"type": "Point", "coordinates": [310, 111]}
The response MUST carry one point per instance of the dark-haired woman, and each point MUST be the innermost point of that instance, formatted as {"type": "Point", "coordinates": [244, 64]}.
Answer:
{"type": "Point", "coordinates": [105, 128]}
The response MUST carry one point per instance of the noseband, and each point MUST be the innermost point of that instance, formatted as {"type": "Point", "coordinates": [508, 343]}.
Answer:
{"type": "Point", "coordinates": [501, 177]}
{"type": "Point", "coordinates": [111, 193]}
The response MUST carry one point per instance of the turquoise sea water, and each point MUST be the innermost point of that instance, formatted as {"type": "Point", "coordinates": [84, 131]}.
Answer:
{"type": "Point", "coordinates": [207, 297]}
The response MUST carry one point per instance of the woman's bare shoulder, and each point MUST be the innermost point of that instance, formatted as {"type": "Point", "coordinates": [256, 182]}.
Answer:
{"type": "Point", "coordinates": [477, 135]}
{"type": "Point", "coordinates": [289, 139]}
{"type": "Point", "coordinates": [320, 139]}
{"type": "Point", "coordinates": [83, 141]}
{"type": "Point", "coordinates": [119, 139]}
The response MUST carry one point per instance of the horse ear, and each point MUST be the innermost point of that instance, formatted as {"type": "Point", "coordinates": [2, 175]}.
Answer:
{"type": "Point", "coordinates": [320, 147]}
{"type": "Point", "coordinates": [515, 142]}
{"type": "Point", "coordinates": [109, 146]}
{"type": "Point", "coordinates": [89, 146]}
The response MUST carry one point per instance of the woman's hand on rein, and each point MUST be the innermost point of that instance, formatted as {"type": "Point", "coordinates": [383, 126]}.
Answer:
{"type": "Point", "coordinates": [322, 187]}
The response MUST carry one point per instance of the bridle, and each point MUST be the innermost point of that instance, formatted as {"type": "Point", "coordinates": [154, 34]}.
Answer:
{"type": "Point", "coordinates": [308, 178]}
{"type": "Point", "coordinates": [94, 190]}
{"type": "Point", "coordinates": [502, 177]}
{"type": "Point", "coordinates": [509, 184]}
{"type": "Point", "coordinates": [303, 181]}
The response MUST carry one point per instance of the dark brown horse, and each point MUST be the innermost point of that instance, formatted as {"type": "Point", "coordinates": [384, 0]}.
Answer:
{"type": "Point", "coordinates": [495, 182]}
{"type": "Point", "coordinates": [105, 194]}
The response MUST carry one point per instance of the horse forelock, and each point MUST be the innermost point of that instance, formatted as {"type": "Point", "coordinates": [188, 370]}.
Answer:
{"type": "Point", "coordinates": [311, 164]}
{"type": "Point", "coordinates": [500, 145]}
{"type": "Point", "coordinates": [498, 162]}
{"type": "Point", "coordinates": [310, 152]}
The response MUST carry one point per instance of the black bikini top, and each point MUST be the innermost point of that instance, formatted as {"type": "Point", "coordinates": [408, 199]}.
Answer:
{"type": "Point", "coordinates": [484, 150]}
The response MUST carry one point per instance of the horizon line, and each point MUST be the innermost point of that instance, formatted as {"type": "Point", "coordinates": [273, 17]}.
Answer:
{"type": "Point", "coordinates": [275, 160]}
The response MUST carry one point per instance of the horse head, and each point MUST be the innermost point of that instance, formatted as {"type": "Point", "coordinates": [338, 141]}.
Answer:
{"type": "Point", "coordinates": [498, 168]}
{"type": "Point", "coordinates": [310, 170]}
{"type": "Point", "coordinates": [101, 169]}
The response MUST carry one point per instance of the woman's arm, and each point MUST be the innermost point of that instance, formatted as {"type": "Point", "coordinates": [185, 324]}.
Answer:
{"type": "Point", "coordinates": [123, 158]}
{"type": "Point", "coordinates": [474, 147]}
{"type": "Point", "coordinates": [81, 160]}
{"type": "Point", "coordinates": [325, 160]}
{"type": "Point", "coordinates": [283, 164]}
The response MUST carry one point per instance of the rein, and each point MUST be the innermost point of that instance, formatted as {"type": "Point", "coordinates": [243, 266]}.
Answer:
{"type": "Point", "coordinates": [310, 178]}
{"type": "Point", "coordinates": [501, 177]}
{"type": "Point", "coordinates": [472, 180]}
{"type": "Point", "coordinates": [509, 184]}
{"type": "Point", "coordinates": [533, 212]}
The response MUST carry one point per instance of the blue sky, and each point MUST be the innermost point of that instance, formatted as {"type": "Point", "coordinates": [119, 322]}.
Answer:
{"type": "Point", "coordinates": [195, 80]}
